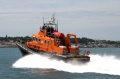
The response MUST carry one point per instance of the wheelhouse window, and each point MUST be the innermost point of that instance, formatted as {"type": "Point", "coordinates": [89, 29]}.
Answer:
{"type": "Point", "coordinates": [39, 40]}
{"type": "Point", "coordinates": [34, 38]}
{"type": "Point", "coordinates": [48, 42]}
{"type": "Point", "coordinates": [45, 41]}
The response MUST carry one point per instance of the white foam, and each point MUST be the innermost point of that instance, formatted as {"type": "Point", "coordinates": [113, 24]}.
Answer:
{"type": "Point", "coordinates": [98, 64]}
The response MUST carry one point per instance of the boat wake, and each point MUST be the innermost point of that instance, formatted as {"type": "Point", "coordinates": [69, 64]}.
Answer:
{"type": "Point", "coordinates": [97, 64]}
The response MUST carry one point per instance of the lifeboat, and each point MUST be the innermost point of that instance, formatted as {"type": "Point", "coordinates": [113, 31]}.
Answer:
{"type": "Point", "coordinates": [53, 44]}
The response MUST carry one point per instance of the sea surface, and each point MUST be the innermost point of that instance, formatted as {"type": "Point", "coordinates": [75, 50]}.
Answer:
{"type": "Point", "coordinates": [104, 64]}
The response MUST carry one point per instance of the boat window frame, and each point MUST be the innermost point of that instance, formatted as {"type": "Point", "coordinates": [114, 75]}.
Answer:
{"type": "Point", "coordinates": [45, 41]}
{"type": "Point", "coordinates": [36, 39]}
{"type": "Point", "coordinates": [33, 38]}
{"type": "Point", "coordinates": [48, 41]}
{"type": "Point", "coordinates": [39, 39]}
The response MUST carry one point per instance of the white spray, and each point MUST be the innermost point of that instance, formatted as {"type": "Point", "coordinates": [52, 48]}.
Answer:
{"type": "Point", "coordinates": [97, 64]}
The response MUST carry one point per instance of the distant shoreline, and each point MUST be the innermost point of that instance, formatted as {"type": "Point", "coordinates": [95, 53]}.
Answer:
{"type": "Point", "coordinates": [10, 42]}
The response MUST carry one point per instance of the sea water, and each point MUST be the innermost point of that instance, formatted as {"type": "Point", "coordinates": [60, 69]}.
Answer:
{"type": "Point", "coordinates": [104, 64]}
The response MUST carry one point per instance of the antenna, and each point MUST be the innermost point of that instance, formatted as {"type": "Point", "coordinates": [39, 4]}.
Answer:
{"type": "Point", "coordinates": [43, 20]}
{"type": "Point", "coordinates": [53, 18]}
{"type": "Point", "coordinates": [57, 25]}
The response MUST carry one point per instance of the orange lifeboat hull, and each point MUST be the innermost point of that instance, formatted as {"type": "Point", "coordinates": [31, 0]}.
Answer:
{"type": "Point", "coordinates": [66, 58]}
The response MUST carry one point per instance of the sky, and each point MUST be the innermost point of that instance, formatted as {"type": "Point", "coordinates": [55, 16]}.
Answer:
{"type": "Point", "coordinates": [95, 19]}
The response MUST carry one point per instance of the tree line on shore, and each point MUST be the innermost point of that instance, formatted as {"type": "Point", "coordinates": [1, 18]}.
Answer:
{"type": "Point", "coordinates": [86, 41]}
{"type": "Point", "coordinates": [14, 39]}
{"type": "Point", "coordinates": [82, 40]}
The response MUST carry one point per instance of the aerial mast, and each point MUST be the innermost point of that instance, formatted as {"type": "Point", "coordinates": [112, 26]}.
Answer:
{"type": "Point", "coordinates": [57, 25]}
{"type": "Point", "coordinates": [53, 18]}
{"type": "Point", "coordinates": [43, 20]}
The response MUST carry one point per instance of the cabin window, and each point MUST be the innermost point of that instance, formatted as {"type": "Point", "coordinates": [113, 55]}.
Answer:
{"type": "Point", "coordinates": [34, 38]}
{"type": "Point", "coordinates": [39, 40]}
{"type": "Point", "coordinates": [45, 41]}
{"type": "Point", "coordinates": [48, 42]}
